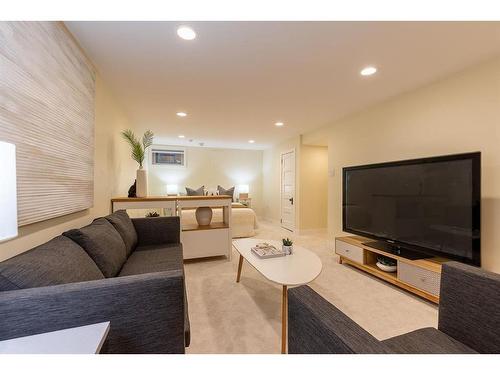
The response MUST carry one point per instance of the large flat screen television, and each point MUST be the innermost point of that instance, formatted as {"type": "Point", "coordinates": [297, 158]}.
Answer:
{"type": "Point", "coordinates": [417, 208]}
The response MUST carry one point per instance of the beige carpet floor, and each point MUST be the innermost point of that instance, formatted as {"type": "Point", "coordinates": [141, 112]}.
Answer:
{"type": "Point", "coordinates": [227, 317]}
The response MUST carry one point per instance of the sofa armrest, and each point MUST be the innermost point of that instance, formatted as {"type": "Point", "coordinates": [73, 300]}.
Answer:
{"type": "Point", "coordinates": [146, 311]}
{"type": "Point", "coordinates": [157, 230]}
{"type": "Point", "coordinates": [317, 327]}
{"type": "Point", "coordinates": [469, 306]}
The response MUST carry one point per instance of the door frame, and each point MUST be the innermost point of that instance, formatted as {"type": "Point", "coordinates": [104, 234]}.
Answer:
{"type": "Point", "coordinates": [292, 150]}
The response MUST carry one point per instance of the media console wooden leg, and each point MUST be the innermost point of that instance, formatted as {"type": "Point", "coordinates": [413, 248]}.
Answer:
{"type": "Point", "coordinates": [284, 318]}
{"type": "Point", "coordinates": [240, 265]}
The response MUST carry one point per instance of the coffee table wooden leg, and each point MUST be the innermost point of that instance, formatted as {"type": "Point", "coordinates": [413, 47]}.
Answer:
{"type": "Point", "coordinates": [284, 319]}
{"type": "Point", "coordinates": [240, 265]}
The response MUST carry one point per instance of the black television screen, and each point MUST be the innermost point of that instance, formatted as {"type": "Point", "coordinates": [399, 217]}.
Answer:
{"type": "Point", "coordinates": [430, 205]}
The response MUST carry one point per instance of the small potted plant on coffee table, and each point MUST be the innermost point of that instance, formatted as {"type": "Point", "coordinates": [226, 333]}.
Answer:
{"type": "Point", "coordinates": [287, 246]}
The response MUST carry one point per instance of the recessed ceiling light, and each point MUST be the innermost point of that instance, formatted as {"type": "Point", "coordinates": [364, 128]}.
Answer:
{"type": "Point", "coordinates": [181, 114]}
{"type": "Point", "coordinates": [279, 123]}
{"type": "Point", "coordinates": [186, 33]}
{"type": "Point", "coordinates": [368, 71]}
{"type": "Point", "coordinates": [251, 141]}
{"type": "Point", "coordinates": [181, 136]}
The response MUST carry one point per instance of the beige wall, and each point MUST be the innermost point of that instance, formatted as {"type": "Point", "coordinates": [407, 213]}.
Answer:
{"type": "Point", "coordinates": [455, 115]}
{"type": "Point", "coordinates": [211, 167]}
{"type": "Point", "coordinates": [313, 187]}
{"type": "Point", "coordinates": [108, 168]}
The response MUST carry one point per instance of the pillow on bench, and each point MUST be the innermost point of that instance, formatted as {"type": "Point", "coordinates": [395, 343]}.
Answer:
{"type": "Point", "coordinates": [195, 193]}
{"type": "Point", "coordinates": [223, 191]}
{"type": "Point", "coordinates": [103, 244]}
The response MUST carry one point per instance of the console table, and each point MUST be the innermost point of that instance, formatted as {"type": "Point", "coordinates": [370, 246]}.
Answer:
{"type": "Point", "coordinates": [215, 239]}
{"type": "Point", "coordinates": [124, 203]}
{"type": "Point", "coordinates": [198, 241]}
{"type": "Point", "coordinates": [421, 277]}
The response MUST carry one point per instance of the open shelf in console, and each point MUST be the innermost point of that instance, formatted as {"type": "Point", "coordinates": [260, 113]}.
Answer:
{"type": "Point", "coordinates": [213, 225]}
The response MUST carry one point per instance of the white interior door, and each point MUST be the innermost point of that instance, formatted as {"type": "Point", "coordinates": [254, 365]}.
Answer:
{"type": "Point", "coordinates": [288, 190]}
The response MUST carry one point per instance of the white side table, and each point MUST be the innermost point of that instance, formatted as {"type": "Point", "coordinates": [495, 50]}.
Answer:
{"type": "Point", "coordinates": [79, 340]}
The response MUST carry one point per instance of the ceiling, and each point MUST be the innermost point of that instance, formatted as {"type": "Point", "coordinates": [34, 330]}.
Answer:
{"type": "Point", "coordinates": [236, 79]}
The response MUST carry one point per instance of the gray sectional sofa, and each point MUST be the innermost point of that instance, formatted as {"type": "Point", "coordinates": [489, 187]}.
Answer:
{"type": "Point", "coordinates": [469, 320]}
{"type": "Point", "coordinates": [126, 271]}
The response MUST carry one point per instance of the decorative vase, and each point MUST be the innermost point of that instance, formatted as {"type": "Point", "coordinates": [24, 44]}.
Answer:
{"type": "Point", "coordinates": [287, 249]}
{"type": "Point", "coordinates": [142, 183]}
{"type": "Point", "coordinates": [203, 215]}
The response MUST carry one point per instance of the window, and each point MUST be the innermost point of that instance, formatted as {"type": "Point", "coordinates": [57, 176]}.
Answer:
{"type": "Point", "coordinates": [168, 156]}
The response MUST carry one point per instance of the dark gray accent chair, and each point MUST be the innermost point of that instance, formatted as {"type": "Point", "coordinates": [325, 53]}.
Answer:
{"type": "Point", "coordinates": [469, 321]}
{"type": "Point", "coordinates": [62, 284]}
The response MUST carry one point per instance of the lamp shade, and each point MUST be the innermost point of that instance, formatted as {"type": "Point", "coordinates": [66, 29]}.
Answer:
{"type": "Point", "coordinates": [243, 189]}
{"type": "Point", "coordinates": [8, 193]}
{"type": "Point", "coordinates": [172, 189]}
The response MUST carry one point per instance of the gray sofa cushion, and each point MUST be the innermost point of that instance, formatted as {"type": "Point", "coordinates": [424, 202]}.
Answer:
{"type": "Point", "coordinates": [469, 306]}
{"type": "Point", "coordinates": [315, 326]}
{"type": "Point", "coordinates": [157, 230]}
{"type": "Point", "coordinates": [103, 243]}
{"type": "Point", "coordinates": [157, 258]}
{"type": "Point", "coordinates": [58, 261]}
{"type": "Point", "coordinates": [123, 225]}
{"type": "Point", "coordinates": [426, 341]}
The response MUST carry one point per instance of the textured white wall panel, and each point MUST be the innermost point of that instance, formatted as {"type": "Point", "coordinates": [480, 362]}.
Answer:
{"type": "Point", "coordinates": [47, 92]}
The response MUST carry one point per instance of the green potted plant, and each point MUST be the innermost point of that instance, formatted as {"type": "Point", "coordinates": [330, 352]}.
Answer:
{"type": "Point", "coordinates": [287, 246]}
{"type": "Point", "coordinates": [139, 148]}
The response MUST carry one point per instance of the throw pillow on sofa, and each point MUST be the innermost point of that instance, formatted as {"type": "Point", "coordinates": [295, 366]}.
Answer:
{"type": "Point", "coordinates": [124, 226]}
{"type": "Point", "coordinates": [103, 244]}
{"type": "Point", "coordinates": [58, 261]}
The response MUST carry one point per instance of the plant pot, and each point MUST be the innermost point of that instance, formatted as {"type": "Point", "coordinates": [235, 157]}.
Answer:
{"type": "Point", "coordinates": [288, 250]}
{"type": "Point", "coordinates": [203, 215]}
{"type": "Point", "coordinates": [142, 183]}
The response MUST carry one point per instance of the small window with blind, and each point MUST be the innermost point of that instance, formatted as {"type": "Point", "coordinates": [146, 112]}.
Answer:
{"type": "Point", "coordinates": [168, 156]}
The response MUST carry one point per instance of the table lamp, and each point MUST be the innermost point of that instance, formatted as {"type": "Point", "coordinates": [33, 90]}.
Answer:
{"type": "Point", "coordinates": [8, 193]}
{"type": "Point", "coordinates": [172, 189]}
{"type": "Point", "coordinates": [243, 190]}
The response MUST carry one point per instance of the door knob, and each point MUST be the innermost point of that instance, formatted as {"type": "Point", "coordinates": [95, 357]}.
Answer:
{"type": "Point", "coordinates": [291, 200]}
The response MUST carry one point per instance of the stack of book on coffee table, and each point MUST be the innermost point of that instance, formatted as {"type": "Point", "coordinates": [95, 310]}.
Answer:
{"type": "Point", "coordinates": [264, 251]}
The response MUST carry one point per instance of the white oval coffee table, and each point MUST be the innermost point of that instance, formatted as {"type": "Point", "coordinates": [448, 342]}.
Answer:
{"type": "Point", "coordinates": [300, 268]}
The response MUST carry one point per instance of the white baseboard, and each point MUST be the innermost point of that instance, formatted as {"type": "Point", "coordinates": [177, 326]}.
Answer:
{"type": "Point", "coordinates": [296, 231]}
{"type": "Point", "coordinates": [310, 231]}
{"type": "Point", "coordinates": [269, 220]}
